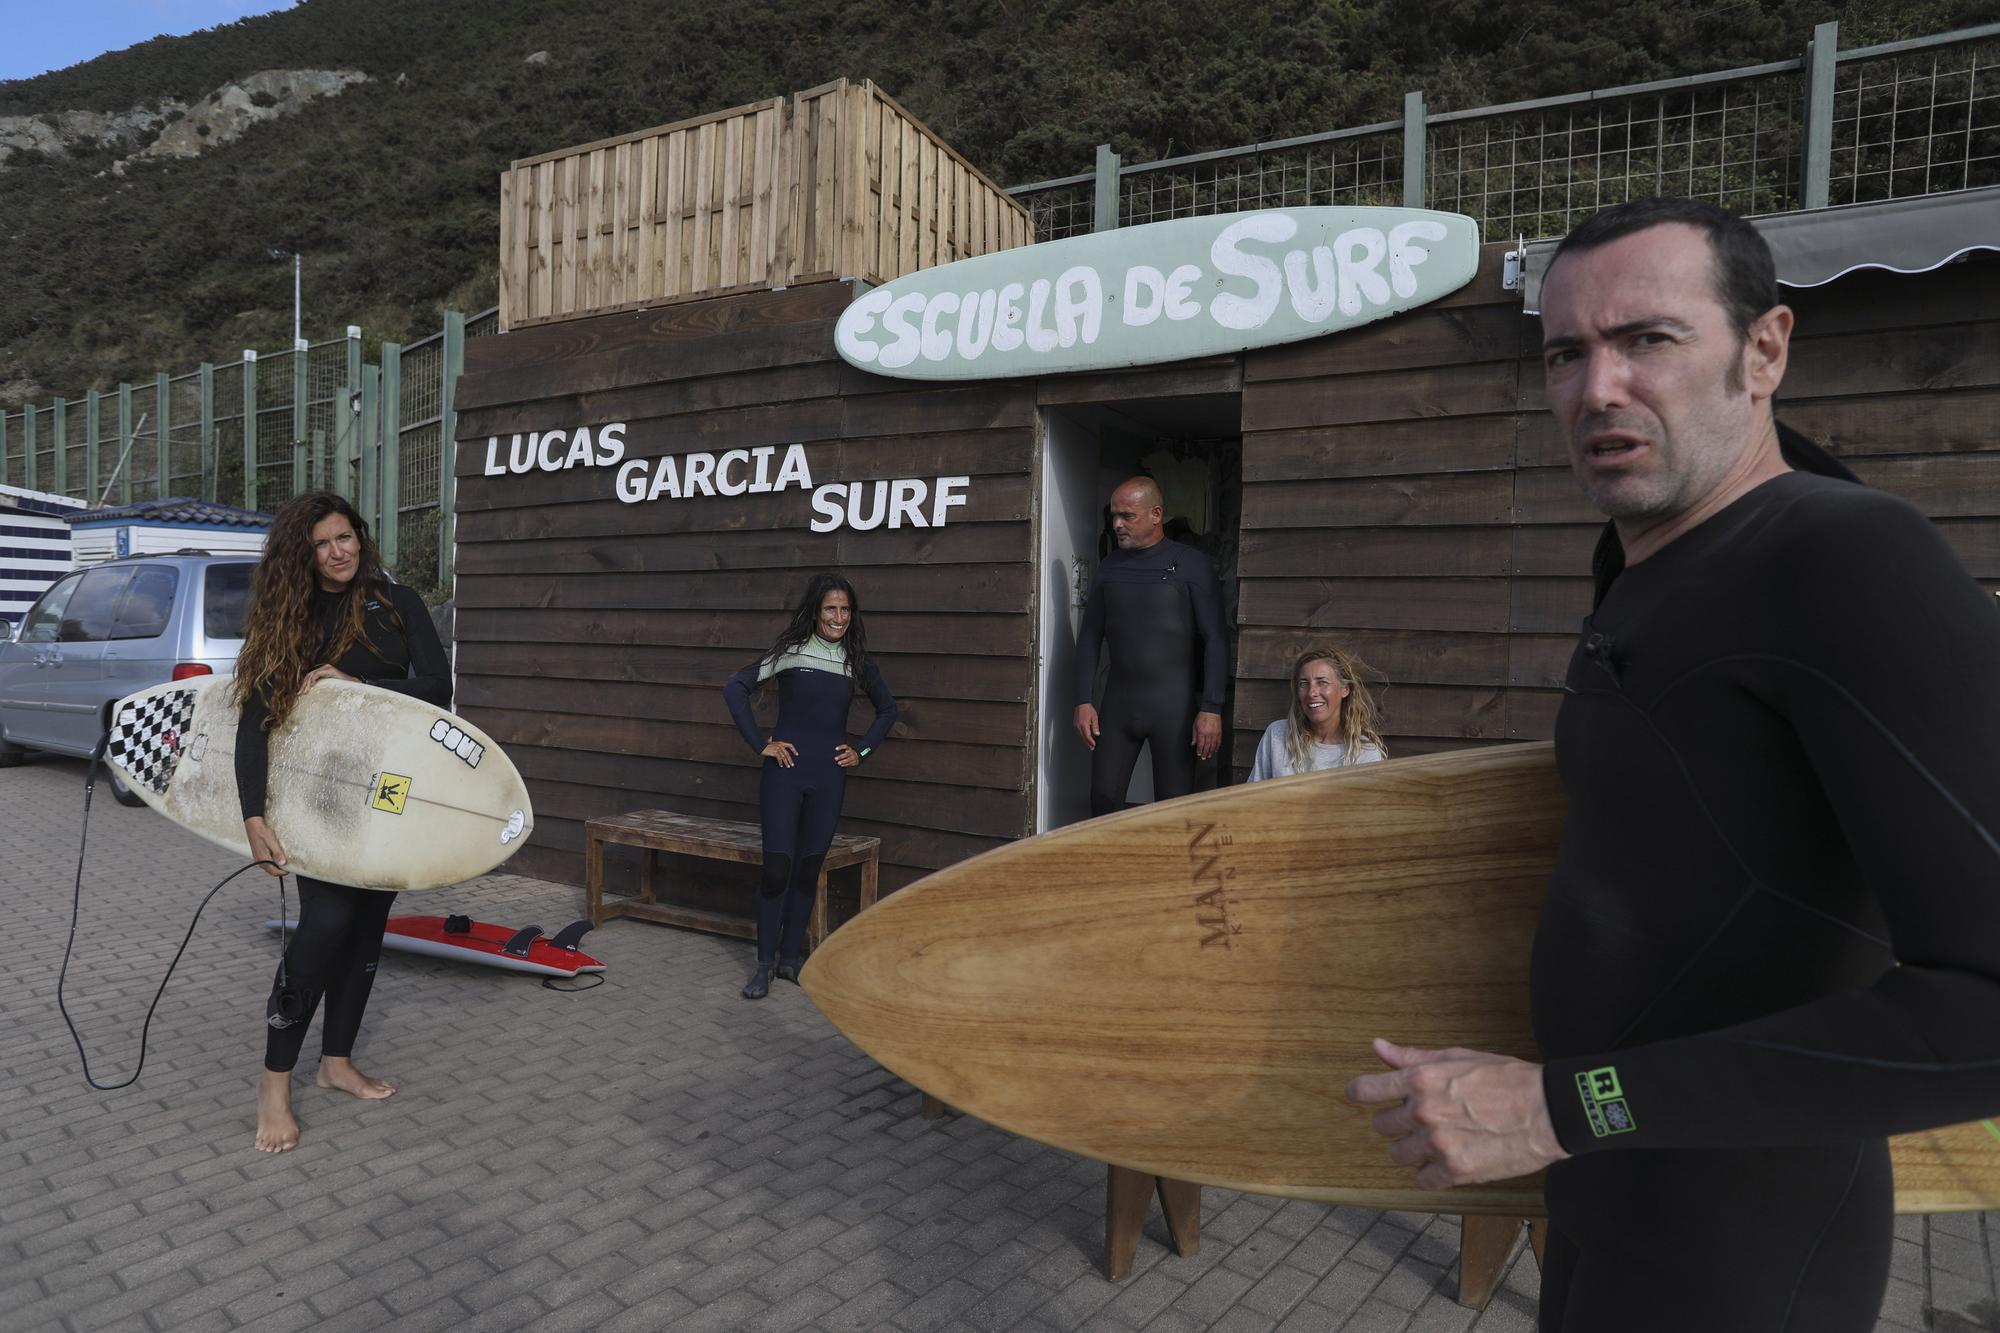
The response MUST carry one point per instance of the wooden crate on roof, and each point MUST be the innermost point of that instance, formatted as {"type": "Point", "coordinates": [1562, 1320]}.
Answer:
{"type": "Point", "coordinates": [838, 181]}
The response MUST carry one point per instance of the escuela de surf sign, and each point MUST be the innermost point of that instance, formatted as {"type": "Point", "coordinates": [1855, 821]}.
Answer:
{"type": "Point", "coordinates": [1165, 291]}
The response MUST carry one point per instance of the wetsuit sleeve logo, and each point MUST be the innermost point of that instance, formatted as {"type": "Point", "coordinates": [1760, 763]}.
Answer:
{"type": "Point", "coordinates": [1604, 1103]}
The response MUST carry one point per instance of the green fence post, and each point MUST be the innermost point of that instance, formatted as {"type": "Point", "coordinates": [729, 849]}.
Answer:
{"type": "Point", "coordinates": [447, 525]}
{"type": "Point", "coordinates": [60, 472]}
{"type": "Point", "coordinates": [1820, 56]}
{"type": "Point", "coordinates": [206, 444]}
{"type": "Point", "coordinates": [389, 485]}
{"type": "Point", "coordinates": [1413, 150]}
{"type": "Point", "coordinates": [28, 443]}
{"type": "Point", "coordinates": [299, 470]}
{"type": "Point", "coordinates": [353, 380]}
{"type": "Point", "coordinates": [370, 439]}
{"type": "Point", "coordinates": [163, 445]}
{"type": "Point", "coordinates": [1104, 204]}
{"type": "Point", "coordinates": [93, 413]}
{"type": "Point", "coordinates": [125, 442]}
{"type": "Point", "coordinates": [3, 446]}
{"type": "Point", "coordinates": [249, 428]}
{"type": "Point", "coordinates": [345, 453]}
{"type": "Point", "coordinates": [319, 460]}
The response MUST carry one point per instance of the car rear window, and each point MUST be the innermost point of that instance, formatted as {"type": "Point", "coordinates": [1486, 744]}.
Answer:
{"type": "Point", "coordinates": [225, 600]}
{"type": "Point", "coordinates": [148, 604]}
{"type": "Point", "coordinates": [90, 613]}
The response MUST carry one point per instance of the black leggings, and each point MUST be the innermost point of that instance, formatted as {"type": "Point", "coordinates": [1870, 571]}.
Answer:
{"type": "Point", "coordinates": [332, 953]}
{"type": "Point", "coordinates": [1132, 717]}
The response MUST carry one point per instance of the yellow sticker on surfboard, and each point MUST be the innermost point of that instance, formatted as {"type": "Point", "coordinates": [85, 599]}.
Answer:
{"type": "Point", "coordinates": [391, 790]}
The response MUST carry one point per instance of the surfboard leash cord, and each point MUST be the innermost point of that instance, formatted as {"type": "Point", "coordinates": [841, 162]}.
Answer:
{"type": "Point", "coordinates": [75, 907]}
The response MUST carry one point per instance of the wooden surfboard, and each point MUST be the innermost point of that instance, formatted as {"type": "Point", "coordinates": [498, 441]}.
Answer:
{"type": "Point", "coordinates": [1185, 989]}
{"type": "Point", "coordinates": [367, 787]}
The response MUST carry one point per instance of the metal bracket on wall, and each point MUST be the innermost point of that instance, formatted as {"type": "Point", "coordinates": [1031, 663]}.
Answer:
{"type": "Point", "coordinates": [1514, 266]}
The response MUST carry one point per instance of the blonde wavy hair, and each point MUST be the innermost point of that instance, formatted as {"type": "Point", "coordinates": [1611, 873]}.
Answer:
{"type": "Point", "coordinates": [281, 636]}
{"type": "Point", "coordinates": [1358, 712]}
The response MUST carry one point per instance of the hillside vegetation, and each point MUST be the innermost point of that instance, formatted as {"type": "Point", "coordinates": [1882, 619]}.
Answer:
{"type": "Point", "coordinates": [390, 190]}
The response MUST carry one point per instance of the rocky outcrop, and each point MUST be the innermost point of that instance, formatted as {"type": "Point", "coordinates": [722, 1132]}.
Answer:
{"type": "Point", "coordinates": [171, 128]}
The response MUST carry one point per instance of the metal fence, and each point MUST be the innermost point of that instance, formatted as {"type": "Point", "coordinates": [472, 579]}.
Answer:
{"type": "Point", "coordinates": [259, 431]}
{"type": "Point", "coordinates": [1832, 127]}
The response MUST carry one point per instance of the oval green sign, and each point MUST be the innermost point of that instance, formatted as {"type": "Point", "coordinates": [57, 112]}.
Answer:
{"type": "Point", "coordinates": [1166, 291]}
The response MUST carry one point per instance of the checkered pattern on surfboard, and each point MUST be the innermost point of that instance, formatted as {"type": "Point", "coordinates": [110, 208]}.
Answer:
{"type": "Point", "coordinates": [146, 739]}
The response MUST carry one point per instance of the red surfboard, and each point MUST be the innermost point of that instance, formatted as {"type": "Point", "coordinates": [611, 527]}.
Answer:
{"type": "Point", "coordinates": [469, 941]}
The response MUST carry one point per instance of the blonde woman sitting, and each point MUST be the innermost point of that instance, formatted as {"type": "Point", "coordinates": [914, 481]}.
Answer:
{"type": "Point", "coordinates": [1332, 721]}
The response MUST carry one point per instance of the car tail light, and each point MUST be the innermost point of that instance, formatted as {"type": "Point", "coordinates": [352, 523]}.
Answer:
{"type": "Point", "coordinates": [189, 670]}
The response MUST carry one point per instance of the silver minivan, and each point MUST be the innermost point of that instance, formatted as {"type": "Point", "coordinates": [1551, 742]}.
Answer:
{"type": "Point", "coordinates": [108, 630]}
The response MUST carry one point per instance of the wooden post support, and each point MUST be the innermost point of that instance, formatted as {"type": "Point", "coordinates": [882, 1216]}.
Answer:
{"type": "Point", "coordinates": [1413, 150]}
{"type": "Point", "coordinates": [163, 443]}
{"type": "Point", "coordinates": [453, 367]}
{"type": "Point", "coordinates": [249, 429]}
{"type": "Point", "coordinates": [209, 484]}
{"type": "Point", "coordinates": [1128, 1196]}
{"type": "Point", "coordinates": [1821, 55]}
{"type": "Point", "coordinates": [1485, 1244]}
{"type": "Point", "coordinates": [59, 437]}
{"type": "Point", "coordinates": [387, 527]}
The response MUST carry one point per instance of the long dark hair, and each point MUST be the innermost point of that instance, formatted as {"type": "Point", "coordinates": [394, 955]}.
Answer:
{"type": "Point", "coordinates": [281, 637]}
{"type": "Point", "coordinates": [805, 620]}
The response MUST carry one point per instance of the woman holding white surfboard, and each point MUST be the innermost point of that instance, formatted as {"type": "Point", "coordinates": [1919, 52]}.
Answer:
{"type": "Point", "coordinates": [1331, 723]}
{"type": "Point", "coordinates": [321, 608]}
{"type": "Point", "coordinates": [820, 662]}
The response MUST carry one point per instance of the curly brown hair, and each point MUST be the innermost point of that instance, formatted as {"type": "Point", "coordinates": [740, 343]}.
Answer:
{"type": "Point", "coordinates": [281, 638]}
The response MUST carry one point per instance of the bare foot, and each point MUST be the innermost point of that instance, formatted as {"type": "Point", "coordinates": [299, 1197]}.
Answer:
{"type": "Point", "coordinates": [339, 1072]}
{"type": "Point", "coordinates": [277, 1128]}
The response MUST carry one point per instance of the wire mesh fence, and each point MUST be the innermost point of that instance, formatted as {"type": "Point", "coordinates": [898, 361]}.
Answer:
{"type": "Point", "coordinates": [299, 411]}
{"type": "Point", "coordinates": [1916, 122]}
{"type": "Point", "coordinates": [1909, 118]}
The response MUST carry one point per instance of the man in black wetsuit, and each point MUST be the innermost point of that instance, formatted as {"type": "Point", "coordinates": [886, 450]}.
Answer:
{"type": "Point", "coordinates": [1772, 938]}
{"type": "Point", "coordinates": [1152, 599]}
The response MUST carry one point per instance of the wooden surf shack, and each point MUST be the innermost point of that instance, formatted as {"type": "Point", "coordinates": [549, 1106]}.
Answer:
{"type": "Point", "coordinates": [1398, 488]}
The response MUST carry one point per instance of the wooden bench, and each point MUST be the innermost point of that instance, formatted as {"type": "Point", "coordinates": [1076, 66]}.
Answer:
{"type": "Point", "coordinates": [656, 831]}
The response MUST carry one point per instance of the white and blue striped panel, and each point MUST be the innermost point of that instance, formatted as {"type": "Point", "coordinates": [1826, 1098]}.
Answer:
{"type": "Point", "coordinates": [34, 552]}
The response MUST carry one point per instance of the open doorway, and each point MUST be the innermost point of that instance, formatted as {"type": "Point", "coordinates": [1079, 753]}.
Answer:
{"type": "Point", "coordinates": [1193, 448]}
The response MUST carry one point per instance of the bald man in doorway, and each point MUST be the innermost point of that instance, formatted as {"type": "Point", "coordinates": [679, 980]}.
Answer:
{"type": "Point", "coordinates": [1155, 603]}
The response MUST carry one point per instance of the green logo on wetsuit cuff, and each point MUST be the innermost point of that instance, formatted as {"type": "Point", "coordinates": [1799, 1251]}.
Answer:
{"type": "Point", "coordinates": [1604, 1102]}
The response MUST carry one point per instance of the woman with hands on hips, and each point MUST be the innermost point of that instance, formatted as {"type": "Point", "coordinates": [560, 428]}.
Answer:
{"type": "Point", "coordinates": [321, 608]}
{"type": "Point", "coordinates": [820, 661]}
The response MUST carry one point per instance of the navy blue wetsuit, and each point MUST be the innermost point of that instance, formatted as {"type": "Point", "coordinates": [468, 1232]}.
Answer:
{"type": "Point", "coordinates": [1772, 938]}
{"type": "Point", "coordinates": [800, 805]}
{"type": "Point", "coordinates": [1149, 607]}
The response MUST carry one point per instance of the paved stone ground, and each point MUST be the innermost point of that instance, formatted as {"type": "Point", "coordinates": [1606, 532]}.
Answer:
{"type": "Point", "coordinates": [652, 1154]}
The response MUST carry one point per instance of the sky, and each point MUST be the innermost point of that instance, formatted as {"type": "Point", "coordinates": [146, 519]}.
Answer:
{"type": "Point", "coordinates": [37, 35]}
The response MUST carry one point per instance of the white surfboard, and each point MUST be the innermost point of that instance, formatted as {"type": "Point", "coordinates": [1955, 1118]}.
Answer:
{"type": "Point", "coordinates": [367, 787]}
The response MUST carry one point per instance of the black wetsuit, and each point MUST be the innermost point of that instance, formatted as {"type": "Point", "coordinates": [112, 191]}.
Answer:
{"type": "Point", "coordinates": [800, 806]}
{"type": "Point", "coordinates": [1149, 607]}
{"type": "Point", "coordinates": [339, 938]}
{"type": "Point", "coordinates": [1778, 740]}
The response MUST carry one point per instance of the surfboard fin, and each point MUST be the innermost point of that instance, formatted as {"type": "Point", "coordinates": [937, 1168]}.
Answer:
{"type": "Point", "coordinates": [567, 937]}
{"type": "Point", "coordinates": [518, 946]}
